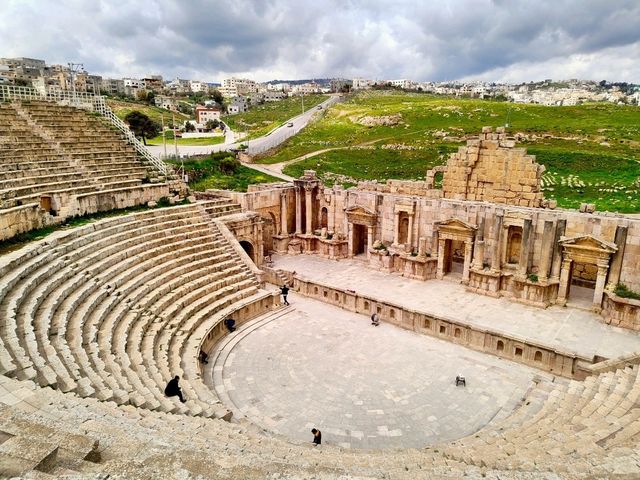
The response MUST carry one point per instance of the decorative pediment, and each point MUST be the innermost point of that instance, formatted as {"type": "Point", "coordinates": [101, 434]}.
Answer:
{"type": "Point", "coordinates": [456, 229]}
{"type": "Point", "coordinates": [404, 207]}
{"type": "Point", "coordinates": [361, 215]}
{"type": "Point", "coordinates": [588, 243]}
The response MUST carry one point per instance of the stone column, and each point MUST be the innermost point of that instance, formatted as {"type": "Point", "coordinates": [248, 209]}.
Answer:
{"type": "Point", "coordinates": [478, 255]}
{"type": "Point", "coordinates": [284, 229]}
{"type": "Point", "coordinates": [495, 250]}
{"type": "Point", "coordinates": [468, 249]}
{"type": "Point", "coordinates": [410, 233]}
{"type": "Point", "coordinates": [603, 268]}
{"type": "Point", "coordinates": [616, 262]}
{"type": "Point", "coordinates": [561, 226]}
{"type": "Point", "coordinates": [308, 190]}
{"type": "Point", "coordinates": [396, 229]}
{"type": "Point", "coordinates": [369, 240]}
{"type": "Point", "coordinates": [546, 255]}
{"type": "Point", "coordinates": [350, 239]}
{"type": "Point", "coordinates": [563, 288]}
{"type": "Point", "coordinates": [440, 270]}
{"type": "Point", "coordinates": [525, 248]}
{"type": "Point", "coordinates": [298, 211]}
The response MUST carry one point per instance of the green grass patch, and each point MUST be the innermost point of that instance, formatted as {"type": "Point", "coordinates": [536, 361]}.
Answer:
{"type": "Point", "coordinates": [221, 171]}
{"type": "Point", "coordinates": [122, 109]}
{"type": "Point", "coordinates": [623, 291]}
{"type": "Point", "coordinates": [261, 119]}
{"type": "Point", "coordinates": [348, 166]}
{"type": "Point", "coordinates": [22, 239]}
{"type": "Point", "coordinates": [186, 141]}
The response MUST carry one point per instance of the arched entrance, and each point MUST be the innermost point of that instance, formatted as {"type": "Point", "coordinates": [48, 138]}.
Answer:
{"type": "Point", "coordinates": [248, 248]}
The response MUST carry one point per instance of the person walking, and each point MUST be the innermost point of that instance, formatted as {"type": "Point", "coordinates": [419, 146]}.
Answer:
{"type": "Point", "coordinates": [173, 389]}
{"type": "Point", "coordinates": [317, 436]}
{"type": "Point", "coordinates": [284, 290]}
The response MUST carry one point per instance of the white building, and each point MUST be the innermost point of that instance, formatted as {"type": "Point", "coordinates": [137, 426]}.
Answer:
{"type": "Point", "coordinates": [362, 84]}
{"type": "Point", "coordinates": [232, 87]}
{"type": "Point", "coordinates": [197, 86]}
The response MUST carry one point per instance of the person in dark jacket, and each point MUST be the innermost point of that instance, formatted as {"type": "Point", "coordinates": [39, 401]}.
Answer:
{"type": "Point", "coordinates": [173, 389]}
{"type": "Point", "coordinates": [317, 436]}
{"type": "Point", "coordinates": [285, 291]}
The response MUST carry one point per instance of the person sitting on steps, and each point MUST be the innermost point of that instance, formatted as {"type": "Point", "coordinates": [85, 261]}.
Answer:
{"type": "Point", "coordinates": [173, 389]}
{"type": "Point", "coordinates": [375, 319]}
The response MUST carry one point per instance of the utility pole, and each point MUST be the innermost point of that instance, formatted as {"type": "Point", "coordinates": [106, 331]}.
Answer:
{"type": "Point", "coordinates": [73, 68]}
{"type": "Point", "coordinates": [302, 98]}
{"type": "Point", "coordinates": [164, 137]}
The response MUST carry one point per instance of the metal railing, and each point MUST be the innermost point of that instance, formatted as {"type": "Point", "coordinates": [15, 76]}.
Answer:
{"type": "Point", "coordinates": [86, 101]}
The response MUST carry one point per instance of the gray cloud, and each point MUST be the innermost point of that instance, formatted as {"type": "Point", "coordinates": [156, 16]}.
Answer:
{"type": "Point", "coordinates": [517, 40]}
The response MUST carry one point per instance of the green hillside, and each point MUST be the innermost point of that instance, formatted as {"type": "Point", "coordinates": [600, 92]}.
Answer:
{"type": "Point", "coordinates": [591, 151]}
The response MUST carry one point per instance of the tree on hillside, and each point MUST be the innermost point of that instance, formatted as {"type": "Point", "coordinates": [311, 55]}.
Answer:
{"type": "Point", "coordinates": [212, 124]}
{"type": "Point", "coordinates": [217, 97]}
{"type": "Point", "coordinates": [141, 125]}
{"type": "Point", "coordinates": [189, 127]}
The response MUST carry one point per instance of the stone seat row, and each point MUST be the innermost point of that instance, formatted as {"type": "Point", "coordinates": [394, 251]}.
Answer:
{"type": "Point", "coordinates": [96, 437]}
{"type": "Point", "coordinates": [582, 417]}
{"type": "Point", "coordinates": [70, 314]}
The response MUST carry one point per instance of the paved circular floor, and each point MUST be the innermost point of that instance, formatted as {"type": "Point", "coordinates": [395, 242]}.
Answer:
{"type": "Point", "coordinates": [362, 386]}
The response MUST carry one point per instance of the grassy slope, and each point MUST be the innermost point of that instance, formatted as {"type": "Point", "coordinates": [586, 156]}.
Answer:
{"type": "Point", "coordinates": [121, 109]}
{"type": "Point", "coordinates": [596, 162]}
{"type": "Point", "coordinates": [264, 118]}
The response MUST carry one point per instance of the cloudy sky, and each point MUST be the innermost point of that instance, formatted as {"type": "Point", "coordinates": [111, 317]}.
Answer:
{"type": "Point", "coordinates": [500, 40]}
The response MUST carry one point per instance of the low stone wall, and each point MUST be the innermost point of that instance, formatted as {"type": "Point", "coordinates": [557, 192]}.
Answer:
{"type": "Point", "coordinates": [622, 312]}
{"type": "Point", "coordinates": [16, 220]}
{"type": "Point", "coordinates": [520, 350]}
{"type": "Point", "coordinates": [241, 315]}
{"type": "Point", "coordinates": [612, 365]}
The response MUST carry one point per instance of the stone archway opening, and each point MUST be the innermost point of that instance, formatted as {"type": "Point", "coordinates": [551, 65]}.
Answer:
{"type": "Point", "coordinates": [359, 239]}
{"type": "Point", "coordinates": [248, 248]}
{"type": "Point", "coordinates": [582, 285]}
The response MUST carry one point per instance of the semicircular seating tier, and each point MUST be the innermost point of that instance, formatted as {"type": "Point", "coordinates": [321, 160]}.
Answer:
{"type": "Point", "coordinates": [115, 309]}
{"type": "Point", "coordinates": [575, 429]}
{"type": "Point", "coordinates": [56, 150]}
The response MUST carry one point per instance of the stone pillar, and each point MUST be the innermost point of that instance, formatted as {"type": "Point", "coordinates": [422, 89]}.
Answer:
{"type": "Point", "coordinates": [284, 229]}
{"type": "Point", "coordinates": [546, 255]}
{"type": "Point", "coordinates": [565, 278]}
{"type": "Point", "coordinates": [561, 226]}
{"type": "Point", "coordinates": [478, 255]}
{"type": "Point", "coordinates": [440, 270]}
{"type": "Point", "coordinates": [308, 190]}
{"type": "Point", "coordinates": [468, 250]}
{"type": "Point", "coordinates": [422, 246]}
{"type": "Point", "coordinates": [298, 211]}
{"type": "Point", "coordinates": [616, 262]}
{"type": "Point", "coordinates": [350, 239]}
{"type": "Point", "coordinates": [396, 229]}
{"type": "Point", "coordinates": [495, 250]}
{"type": "Point", "coordinates": [525, 249]}
{"type": "Point", "coordinates": [410, 233]}
{"type": "Point", "coordinates": [603, 268]}
{"type": "Point", "coordinates": [369, 240]}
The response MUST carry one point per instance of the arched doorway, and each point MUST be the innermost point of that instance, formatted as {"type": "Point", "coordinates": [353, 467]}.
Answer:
{"type": "Point", "coordinates": [248, 248]}
{"type": "Point", "coordinates": [403, 228]}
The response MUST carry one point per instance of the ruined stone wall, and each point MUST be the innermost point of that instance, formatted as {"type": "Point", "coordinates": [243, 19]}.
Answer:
{"type": "Point", "coordinates": [430, 211]}
{"type": "Point", "coordinates": [491, 169]}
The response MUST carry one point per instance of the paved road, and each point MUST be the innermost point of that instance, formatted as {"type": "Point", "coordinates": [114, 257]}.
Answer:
{"type": "Point", "coordinates": [258, 145]}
